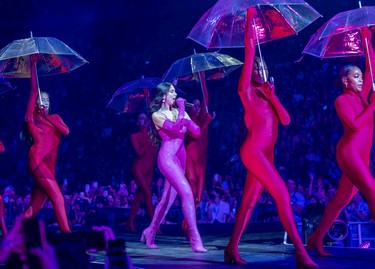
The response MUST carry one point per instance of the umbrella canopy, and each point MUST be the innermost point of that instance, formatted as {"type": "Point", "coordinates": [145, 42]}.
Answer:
{"type": "Point", "coordinates": [5, 85]}
{"type": "Point", "coordinates": [133, 96]}
{"type": "Point", "coordinates": [55, 57]}
{"type": "Point", "coordinates": [340, 36]}
{"type": "Point", "coordinates": [215, 65]}
{"type": "Point", "coordinates": [223, 25]}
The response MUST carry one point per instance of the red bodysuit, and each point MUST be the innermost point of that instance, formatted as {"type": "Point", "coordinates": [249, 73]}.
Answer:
{"type": "Point", "coordinates": [263, 111]}
{"type": "Point", "coordinates": [46, 131]}
{"type": "Point", "coordinates": [196, 151]}
{"type": "Point", "coordinates": [352, 151]}
{"type": "Point", "coordinates": [142, 170]}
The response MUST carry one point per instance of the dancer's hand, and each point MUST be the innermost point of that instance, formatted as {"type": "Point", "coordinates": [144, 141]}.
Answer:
{"type": "Point", "coordinates": [46, 256]}
{"type": "Point", "coordinates": [251, 13]}
{"type": "Point", "coordinates": [42, 110]}
{"type": "Point", "coordinates": [366, 32]}
{"type": "Point", "coordinates": [33, 58]}
{"type": "Point", "coordinates": [108, 233]}
{"type": "Point", "coordinates": [268, 91]}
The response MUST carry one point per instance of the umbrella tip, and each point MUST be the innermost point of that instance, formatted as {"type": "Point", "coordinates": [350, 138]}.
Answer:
{"type": "Point", "coordinates": [360, 4]}
{"type": "Point", "coordinates": [31, 33]}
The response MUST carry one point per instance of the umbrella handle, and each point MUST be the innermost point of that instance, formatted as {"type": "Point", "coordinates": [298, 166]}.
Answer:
{"type": "Point", "coordinates": [260, 51]}
{"type": "Point", "coordinates": [37, 82]}
{"type": "Point", "coordinates": [369, 61]}
{"type": "Point", "coordinates": [204, 89]}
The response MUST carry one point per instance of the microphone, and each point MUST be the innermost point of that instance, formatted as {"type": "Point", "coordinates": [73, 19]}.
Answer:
{"type": "Point", "coordinates": [187, 104]}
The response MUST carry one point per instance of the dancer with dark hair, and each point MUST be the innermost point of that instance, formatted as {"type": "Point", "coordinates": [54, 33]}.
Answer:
{"type": "Point", "coordinates": [143, 168]}
{"type": "Point", "coordinates": [196, 148]}
{"type": "Point", "coordinates": [353, 149]}
{"type": "Point", "coordinates": [46, 131]}
{"type": "Point", "coordinates": [171, 125]}
{"type": "Point", "coordinates": [263, 111]}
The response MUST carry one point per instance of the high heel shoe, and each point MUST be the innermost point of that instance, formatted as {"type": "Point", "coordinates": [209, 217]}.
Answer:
{"type": "Point", "coordinates": [148, 238]}
{"type": "Point", "coordinates": [313, 245]}
{"type": "Point", "coordinates": [304, 262]}
{"type": "Point", "coordinates": [196, 242]}
{"type": "Point", "coordinates": [233, 256]}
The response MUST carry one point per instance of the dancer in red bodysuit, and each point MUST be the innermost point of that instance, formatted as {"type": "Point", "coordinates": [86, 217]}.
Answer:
{"type": "Point", "coordinates": [3, 227]}
{"type": "Point", "coordinates": [263, 111]}
{"type": "Point", "coordinates": [46, 131]}
{"type": "Point", "coordinates": [196, 147]}
{"type": "Point", "coordinates": [143, 168]}
{"type": "Point", "coordinates": [353, 149]}
{"type": "Point", "coordinates": [171, 124]}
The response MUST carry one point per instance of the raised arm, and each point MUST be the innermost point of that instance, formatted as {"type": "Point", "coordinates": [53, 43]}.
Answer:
{"type": "Point", "coordinates": [347, 114]}
{"type": "Point", "coordinates": [33, 90]}
{"type": "Point", "coordinates": [247, 68]}
{"type": "Point", "coordinates": [366, 34]}
{"type": "Point", "coordinates": [204, 103]}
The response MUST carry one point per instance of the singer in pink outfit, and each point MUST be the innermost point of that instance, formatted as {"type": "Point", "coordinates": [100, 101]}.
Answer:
{"type": "Point", "coordinates": [263, 111]}
{"type": "Point", "coordinates": [46, 131]}
{"type": "Point", "coordinates": [171, 125]}
{"type": "Point", "coordinates": [143, 168]}
{"type": "Point", "coordinates": [353, 149]}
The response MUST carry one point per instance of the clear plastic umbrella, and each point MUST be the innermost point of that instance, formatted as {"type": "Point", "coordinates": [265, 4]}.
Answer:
{"type": "Point", "coordinates": [215, 65]}
{"type": "Point", "coordinates": [212, 65]}
{"type": "Point", "coordinates": [135, 96]}
{"type": "Point", "coordinates": [223, 25]}
{"type": "Point", "coordinates": [341, 35]}
{"type": "Point", "coordinates": [55, 57]}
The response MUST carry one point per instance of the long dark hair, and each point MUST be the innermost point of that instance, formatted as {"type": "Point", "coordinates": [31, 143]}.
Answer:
{"type": "Point", "coordinates": [162, 90]}
{"type": "Point", "coordinates": [25, 135]}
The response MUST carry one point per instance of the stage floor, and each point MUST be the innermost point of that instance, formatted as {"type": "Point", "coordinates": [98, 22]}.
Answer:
{"type": "Point", "coordinates": [261, 250]}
